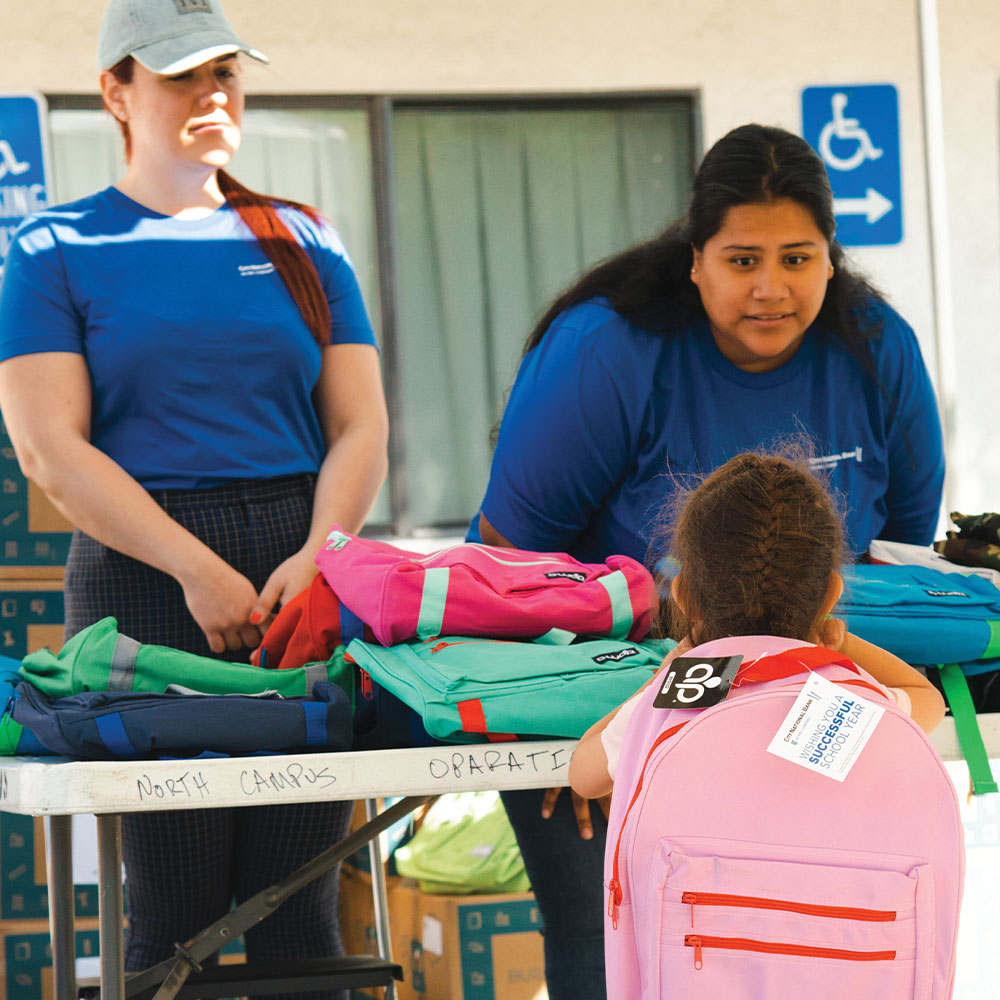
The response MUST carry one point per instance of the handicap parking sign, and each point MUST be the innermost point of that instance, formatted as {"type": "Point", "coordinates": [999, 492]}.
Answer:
{"type": "Point", "coordinates": [855, 130]}
{"type": "Point", "coordinates": [24, 171]}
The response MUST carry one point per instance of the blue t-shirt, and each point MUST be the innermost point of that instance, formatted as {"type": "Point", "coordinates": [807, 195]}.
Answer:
{"type": "Point", "coordinates": [201, 364]}
{"type": "Point", "coordinates": [606, 419]}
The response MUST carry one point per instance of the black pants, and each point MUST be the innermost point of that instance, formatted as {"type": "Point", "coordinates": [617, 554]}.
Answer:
{"type": "Point", "coordinates": [184, 868]}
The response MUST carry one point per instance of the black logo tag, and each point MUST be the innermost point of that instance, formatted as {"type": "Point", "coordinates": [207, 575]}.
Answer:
{"type": "Point", "coordinates": [946, 593]}
{"type": "Point", "coordinates": [620, 654]}
{"type": "Point", "coordinates": [697, 681]}
{"type": "Point", "coordinates": [190, 6]}
{"type": "Point", "coordinates": [567, 574]}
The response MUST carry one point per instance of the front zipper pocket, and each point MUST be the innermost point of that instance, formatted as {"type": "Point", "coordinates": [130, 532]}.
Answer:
{"type": "Point", "coordinates": [789, 905]}
{"type": "Point", "coordinates": [698, 942]}
{"type": "Point", "coordinates": [747, 920]}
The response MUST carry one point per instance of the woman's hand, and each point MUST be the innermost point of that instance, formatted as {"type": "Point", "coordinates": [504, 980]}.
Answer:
{"type": "Point", "coordinates": [221, 600]}
{"type": "Point", "coordinates": [286, 581]}
{"type": "Point", "coordinates": [581, 807]}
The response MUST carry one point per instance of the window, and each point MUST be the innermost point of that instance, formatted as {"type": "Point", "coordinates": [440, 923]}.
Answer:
{"type": "Point", "coordinates": [488, 208]}
{"type": "Point", "coordinates": [498, 209]}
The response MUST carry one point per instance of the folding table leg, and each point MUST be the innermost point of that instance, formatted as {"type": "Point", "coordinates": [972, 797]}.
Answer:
{"type": "Point", "coordinates": [61, 924]}
{"type": "Point", "coordinates": [379, 898]}
{"type": "Point", "coordinates": [111, 895]}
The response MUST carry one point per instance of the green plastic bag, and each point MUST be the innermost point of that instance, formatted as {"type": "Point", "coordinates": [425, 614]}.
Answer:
{"type": "Point", "coordinates": [100, 658]}
{"type": "Point", "coordinates": [464, 845]}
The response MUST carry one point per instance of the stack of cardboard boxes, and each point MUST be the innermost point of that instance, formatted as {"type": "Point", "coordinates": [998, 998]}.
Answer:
{"type": "Point", "coordinates": [33, 550]}
{"type": "Point", "coordinates": [451, 947]}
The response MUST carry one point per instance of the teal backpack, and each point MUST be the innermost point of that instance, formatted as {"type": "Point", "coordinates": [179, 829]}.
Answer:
{"type": "Point", "coordinates": [467, 689]}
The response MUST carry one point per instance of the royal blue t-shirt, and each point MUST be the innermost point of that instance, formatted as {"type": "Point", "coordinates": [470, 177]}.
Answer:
{"type": "Point", "coordinates": [606, 419]}
{"type": "Point", "coordinates": [201, 364]}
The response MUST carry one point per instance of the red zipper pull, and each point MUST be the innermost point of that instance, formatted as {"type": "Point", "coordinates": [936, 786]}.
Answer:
{"type": "Point", "coordinates": [692, 898]}
{"type": "Point", "coordinates": [695, 942]}
{"type": "Point", "coordinates": [366, 685]}
{"type": "Point", "coordinates": [614, 898]}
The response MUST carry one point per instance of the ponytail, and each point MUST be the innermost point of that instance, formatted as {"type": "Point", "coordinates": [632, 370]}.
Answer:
{"type": "Point", "coordinates": [293, 264]}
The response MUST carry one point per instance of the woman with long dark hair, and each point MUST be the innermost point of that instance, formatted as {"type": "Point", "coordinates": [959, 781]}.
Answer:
{"type": "Point", "coordinates": [738, 326]}
{"type": "Point", "coordinates": [187, 369]}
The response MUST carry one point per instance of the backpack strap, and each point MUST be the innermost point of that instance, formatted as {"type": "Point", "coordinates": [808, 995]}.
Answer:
{"type": "Point", "coordinates": [473, 718]}
{"type": "Point", "coordinates": [430, 619]}
{"type": "Point", "coordinates": [800, 660]}
{"type": "Point", "coordinates": [121, 675]}
{"type": "Point", "coordinates": [621, 603]}
{"type": "Point", "coordinates": [970, 739]}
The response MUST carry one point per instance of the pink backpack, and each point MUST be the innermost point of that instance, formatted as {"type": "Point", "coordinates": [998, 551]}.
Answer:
{"type": "Point", "coordinates": [734, 873]}
{"type": "Point", "coordinates": [483, 590]}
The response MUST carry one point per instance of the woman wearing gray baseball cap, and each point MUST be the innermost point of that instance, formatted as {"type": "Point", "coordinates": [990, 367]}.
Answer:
{"type": "Point", "coordinates": [188, 370]}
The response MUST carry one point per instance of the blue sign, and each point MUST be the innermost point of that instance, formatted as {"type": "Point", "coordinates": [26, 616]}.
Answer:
{"type": "Point", "coordinates": [855, 130]}
{"type": "Point", "coordinates": [24, 162]}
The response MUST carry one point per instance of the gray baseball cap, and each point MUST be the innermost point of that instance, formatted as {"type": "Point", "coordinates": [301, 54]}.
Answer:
{"type": "Point", "coordinates": [167, 36]}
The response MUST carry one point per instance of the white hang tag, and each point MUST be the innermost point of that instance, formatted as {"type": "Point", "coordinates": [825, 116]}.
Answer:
{"type": "Point", "coordinates": [826, 729]}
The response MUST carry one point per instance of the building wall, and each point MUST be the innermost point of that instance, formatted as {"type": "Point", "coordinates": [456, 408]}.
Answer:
{"type": "Point", "coordinates": [744, 61]}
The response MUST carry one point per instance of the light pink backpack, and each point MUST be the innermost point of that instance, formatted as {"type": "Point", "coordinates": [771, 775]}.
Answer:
{"type": "Point", "coordinates": [736, 874]}
{"type": "Point", "coordinates": [483, 590]}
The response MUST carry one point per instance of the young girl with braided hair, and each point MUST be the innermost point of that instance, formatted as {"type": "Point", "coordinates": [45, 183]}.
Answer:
{"type": "Point", "coordinates": [758, 543]}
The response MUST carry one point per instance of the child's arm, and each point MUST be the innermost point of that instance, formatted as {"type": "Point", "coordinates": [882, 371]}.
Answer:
{"type": "Point", "coordinates": [927, 705]}
{"type": "Point", "coordinates": [588, 767]}
{"type": "Point", "coordinates": [589, 775]}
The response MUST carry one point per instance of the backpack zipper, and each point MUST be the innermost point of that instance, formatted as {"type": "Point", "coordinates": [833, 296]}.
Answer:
{"type": "Point", "coordinates": [366, 684]}
{"type": "Point", "coordinates": [697, 942]}
{"type": "Point", "coordinates": [766, 903]}
{"type": "Point", "coordinates": [615, 887]}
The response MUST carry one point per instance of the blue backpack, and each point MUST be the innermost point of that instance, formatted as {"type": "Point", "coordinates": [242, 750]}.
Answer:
{"type": "Point", "coordinates": [115, 725]}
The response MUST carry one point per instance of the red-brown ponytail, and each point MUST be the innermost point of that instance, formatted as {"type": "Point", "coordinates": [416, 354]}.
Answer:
{"type": "Point", "coordinates": [293, 264]}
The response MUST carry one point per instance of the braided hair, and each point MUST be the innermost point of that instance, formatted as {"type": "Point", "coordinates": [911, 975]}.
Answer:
{"type": "Point", "coordinates": [756, 541]}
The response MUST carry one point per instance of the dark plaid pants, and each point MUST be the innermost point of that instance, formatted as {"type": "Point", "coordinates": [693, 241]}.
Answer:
{"type": "Point", "coordinates": [184, 868]}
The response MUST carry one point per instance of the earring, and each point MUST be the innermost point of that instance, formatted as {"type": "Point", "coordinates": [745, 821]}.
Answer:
{"type": "Point", "coordinates": [832, 271]}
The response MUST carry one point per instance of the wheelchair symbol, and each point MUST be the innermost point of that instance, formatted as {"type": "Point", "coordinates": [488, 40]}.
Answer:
{"type": "Point", "coordinates": [9, 163]}
{"type": "Point", "coordinates": [845, 129]}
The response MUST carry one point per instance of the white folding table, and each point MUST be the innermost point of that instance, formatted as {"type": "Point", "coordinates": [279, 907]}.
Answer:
{"type": "Point", "coordinates": [58, 788]}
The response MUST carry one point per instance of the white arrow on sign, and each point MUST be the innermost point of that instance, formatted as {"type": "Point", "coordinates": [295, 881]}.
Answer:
{"type": "Point", "coordinates": [873, 205]}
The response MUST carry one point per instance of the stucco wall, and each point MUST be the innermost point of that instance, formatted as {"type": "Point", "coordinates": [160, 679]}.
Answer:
{"type": "Point", "coordinates": [745, 61]}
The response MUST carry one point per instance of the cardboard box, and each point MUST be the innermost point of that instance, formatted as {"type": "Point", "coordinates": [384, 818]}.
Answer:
{"type": "Point", "coordinates": [450, 947]}
{"type": "Point", "coordinates": [31, 616]}
{"type": "Point", "coordinates": [467, 947]}
{"type": "Point", "coordinates": [23, 880]}
{"type": "Point", "coordinates": [357, 911]}
{"type": "Point", "coordinates": [35, 536]}
{"type": "Point", "coordinates": [26, 957]}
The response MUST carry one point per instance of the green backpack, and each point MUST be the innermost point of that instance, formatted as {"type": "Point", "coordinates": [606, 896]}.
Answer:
{"type": "Point", "coordinates": [466, 689]}
{"type": "Point", "coordinates": [100, 658]}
